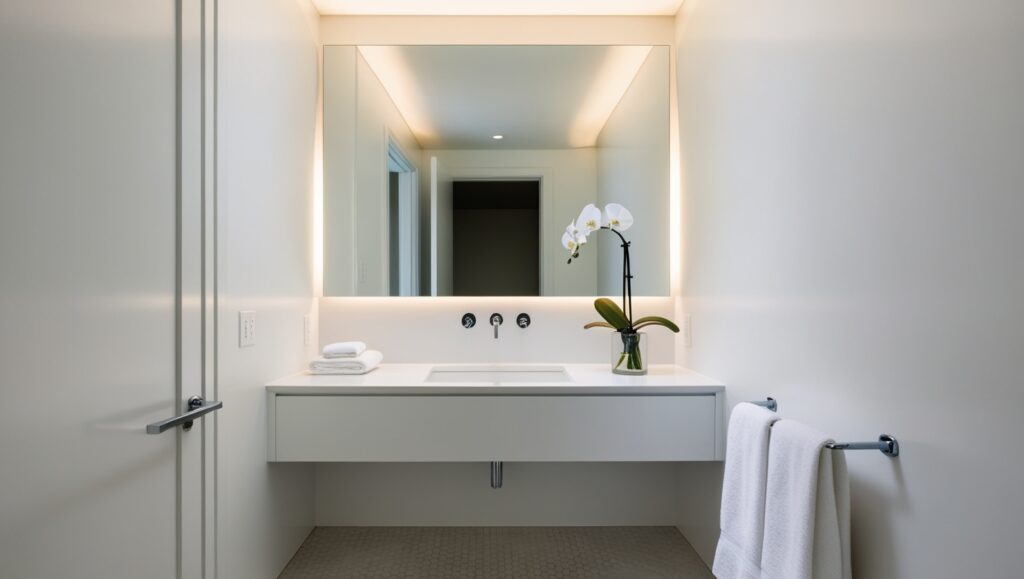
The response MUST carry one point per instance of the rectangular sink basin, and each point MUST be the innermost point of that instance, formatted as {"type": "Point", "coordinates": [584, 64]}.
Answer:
{"type": "Point", "coordinates": [499, 374]}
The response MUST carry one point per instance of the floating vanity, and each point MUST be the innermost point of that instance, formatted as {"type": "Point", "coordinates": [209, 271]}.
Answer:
{"type": "Point", "coordinates": [469, 413]}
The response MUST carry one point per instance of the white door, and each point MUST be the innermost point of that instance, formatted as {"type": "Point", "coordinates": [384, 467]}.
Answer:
{"type": "Point", "coordinates": [103, 288]}
{"type": "Point", "coordinates": [407, 231]}
{"type": "Point", "coordinates": [403, 223]}
{"type": "Point", "coordinates": [441, 222]}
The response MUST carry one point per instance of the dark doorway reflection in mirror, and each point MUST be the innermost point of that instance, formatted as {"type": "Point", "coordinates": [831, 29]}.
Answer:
{"type": "Point", "coordinates": [496, 238]}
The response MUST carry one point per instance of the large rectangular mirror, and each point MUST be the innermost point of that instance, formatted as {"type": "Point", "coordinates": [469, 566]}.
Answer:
{"type": "Point", "coordinates": [454, 170]}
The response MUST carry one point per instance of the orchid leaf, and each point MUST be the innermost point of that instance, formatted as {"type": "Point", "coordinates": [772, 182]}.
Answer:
{"type": "Point", "coordinates": [612, 313]}
{"type": "Point", "coordinates": [656, 321]}
{"type": "Point", "coordinates": [598, 325]}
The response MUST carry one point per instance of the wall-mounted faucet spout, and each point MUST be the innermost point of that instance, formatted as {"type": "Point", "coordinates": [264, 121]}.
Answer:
{"type": "Point", "coordinates": [496, 320]}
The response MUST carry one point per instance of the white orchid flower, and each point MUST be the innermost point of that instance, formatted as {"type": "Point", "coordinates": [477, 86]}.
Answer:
{"type": "Point", "coordinates": [571, 230]}
{"type": "Point", "coordinates": [569, 242]}
{"type": "Point", "coordinates": [589, 220]}
{"type": "Point", "coordinates": [616, 217]}
{"type": "Point", "coordinates": [579, 236]}
{"type": "Point", "coordinates": [573, 238]}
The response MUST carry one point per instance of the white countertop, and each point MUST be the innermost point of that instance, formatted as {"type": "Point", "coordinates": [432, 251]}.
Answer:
{"type": "Point", "coordinates": [410, 379]}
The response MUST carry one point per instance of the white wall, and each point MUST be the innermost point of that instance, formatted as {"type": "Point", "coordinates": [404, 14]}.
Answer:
{"type": "Point", "coordinates": [426, 330]}
{"type": "Point", "coordinates": [852, 186]}
{"type": "Point", "coordinates": [267, 127]}
{"type": "Point", "coordinates": [456, 494]}
{"type": "Point", "coordinates": [633, 170]}
{"type": "Point", "coordinates": [568, 182]}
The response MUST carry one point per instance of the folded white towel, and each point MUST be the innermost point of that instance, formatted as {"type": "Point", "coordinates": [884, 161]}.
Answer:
{"type": "Point", "coordinates": [344, 349]}
{"type": "Point", "coordinates": [360, 364]}
{"type": "Point", "coordinates": [807, 507]}
{"type": "Point", "coordinates": [738, 555]}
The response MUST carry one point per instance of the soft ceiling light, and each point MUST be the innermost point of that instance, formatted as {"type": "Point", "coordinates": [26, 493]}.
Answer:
{"type": "Point", "coordinates": [620, 66]}
{"type": "Point", "coordinates": [498, 137]}
{"type": "Point", "coordinates": [395, 73]}
{"type": "Point", "coordinates": [500, 7]}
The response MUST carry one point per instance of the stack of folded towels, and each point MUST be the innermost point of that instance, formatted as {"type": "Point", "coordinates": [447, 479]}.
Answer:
{"type": "Point", "coordinates": [346, 358]}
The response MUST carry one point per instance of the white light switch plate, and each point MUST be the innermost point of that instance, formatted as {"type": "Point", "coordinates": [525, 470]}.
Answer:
{"type": "Point", "coordinates": [246, 328]}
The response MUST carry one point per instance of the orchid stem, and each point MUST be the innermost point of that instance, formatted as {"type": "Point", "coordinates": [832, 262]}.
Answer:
{"type": "Point", "coordinates": [627, 279]}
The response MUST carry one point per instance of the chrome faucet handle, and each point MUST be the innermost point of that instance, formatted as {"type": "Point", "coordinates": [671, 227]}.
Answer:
{"type": "Point", "coordinates": [523, 320]}
{"type": "Point", "coordinates": [468, 321]}
{"type": "Point", "coordinates": [496, 320]}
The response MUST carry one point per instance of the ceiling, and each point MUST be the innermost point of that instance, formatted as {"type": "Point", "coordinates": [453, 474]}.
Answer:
{"type": "Point", "coordinates": [500, 7]}
{"type": "Point", "coordinates": [536, 97]}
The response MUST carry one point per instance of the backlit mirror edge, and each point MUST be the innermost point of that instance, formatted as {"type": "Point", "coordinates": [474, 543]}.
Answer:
{"type": "Point", "coordinates": [676, 249]}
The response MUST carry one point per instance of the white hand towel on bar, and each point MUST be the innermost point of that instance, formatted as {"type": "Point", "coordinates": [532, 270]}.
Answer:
{"type": "Point", "coordinates": [344, 349]}
{"type": "Point", "coordinates": [807, 507]}
{"type": "Point", "coordinates": [738, 555]}
{"type": "Point", "coordinates": [360, 364]}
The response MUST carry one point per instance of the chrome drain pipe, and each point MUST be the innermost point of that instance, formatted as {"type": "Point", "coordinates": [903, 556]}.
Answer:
{"type": "Point", "coordinates": [496, 473]}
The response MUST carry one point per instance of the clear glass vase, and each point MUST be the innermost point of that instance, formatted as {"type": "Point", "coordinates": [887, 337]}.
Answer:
{"type": "Point", "coordinates": [629, 353]}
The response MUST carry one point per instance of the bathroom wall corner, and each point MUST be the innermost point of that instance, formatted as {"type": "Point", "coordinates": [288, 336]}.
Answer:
{"type": "Point", "coordinates": [266, 220]}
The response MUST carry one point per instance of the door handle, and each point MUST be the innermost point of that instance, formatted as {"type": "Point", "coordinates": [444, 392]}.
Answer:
{"type": "Point", "coordinates": [197, 407]}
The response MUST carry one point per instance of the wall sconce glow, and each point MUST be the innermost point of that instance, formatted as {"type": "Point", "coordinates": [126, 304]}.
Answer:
{"type": "Point", "coordinates": [498, 137]}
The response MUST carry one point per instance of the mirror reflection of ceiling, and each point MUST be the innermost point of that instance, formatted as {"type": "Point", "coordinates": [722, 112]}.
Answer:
{"type": "Point", "coordinates": [499, 7]}
{"type": "Point", "coordinates": [536, 97]}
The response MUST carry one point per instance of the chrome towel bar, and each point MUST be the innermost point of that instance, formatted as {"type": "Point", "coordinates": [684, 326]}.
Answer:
{"type": "Point", "coordinates": [887, 444]}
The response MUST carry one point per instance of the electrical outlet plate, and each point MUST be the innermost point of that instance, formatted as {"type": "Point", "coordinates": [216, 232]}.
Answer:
{"type": "Point", "coordinates": [246, 329]}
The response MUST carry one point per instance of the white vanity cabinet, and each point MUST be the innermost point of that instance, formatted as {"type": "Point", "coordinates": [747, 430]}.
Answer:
{"type": "Point", "coordinates": [670, 415]}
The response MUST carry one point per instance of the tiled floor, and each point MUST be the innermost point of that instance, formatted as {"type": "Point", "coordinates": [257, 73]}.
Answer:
{"type": "Point", "coordinates": [496, 552]}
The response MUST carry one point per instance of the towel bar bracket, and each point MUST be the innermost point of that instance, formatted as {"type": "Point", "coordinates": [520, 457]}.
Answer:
{"type": "Point", "coordinates": [887, 445]}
